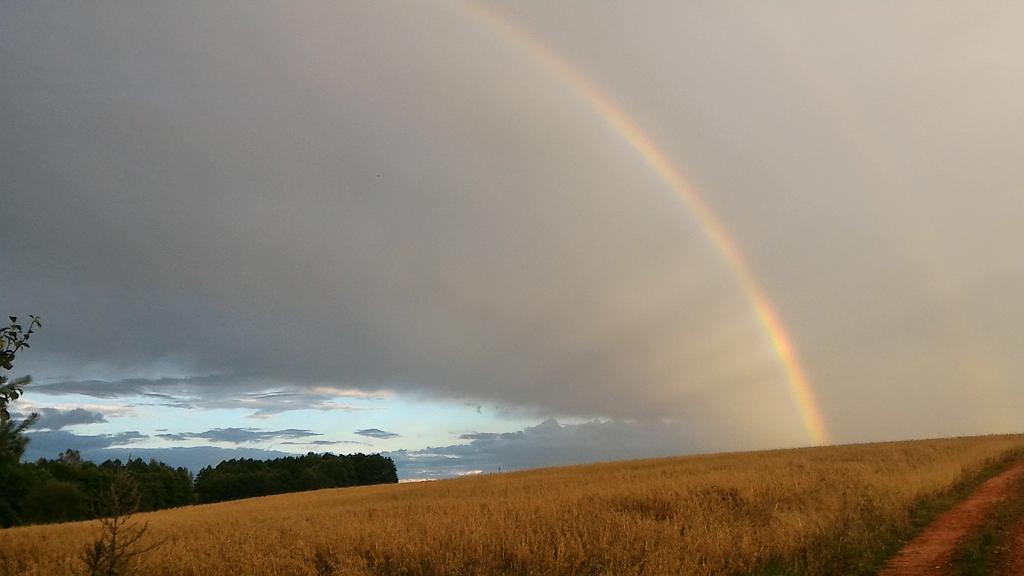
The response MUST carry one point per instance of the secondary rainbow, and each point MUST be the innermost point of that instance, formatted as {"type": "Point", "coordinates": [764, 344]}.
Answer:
{"type": "Point", "coordinates": [622, 124]}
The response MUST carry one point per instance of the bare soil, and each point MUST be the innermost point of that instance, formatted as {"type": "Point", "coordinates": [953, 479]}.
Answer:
{"type": "Point", "coordinates": [930, 553]}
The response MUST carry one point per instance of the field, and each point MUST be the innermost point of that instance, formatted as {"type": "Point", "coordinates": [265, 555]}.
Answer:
{"type": "Point", "coordinates": [807, 511]}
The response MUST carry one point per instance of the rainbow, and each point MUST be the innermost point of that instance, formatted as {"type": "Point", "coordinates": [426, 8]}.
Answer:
{"type": "Point", "coordinates": [621, 123]}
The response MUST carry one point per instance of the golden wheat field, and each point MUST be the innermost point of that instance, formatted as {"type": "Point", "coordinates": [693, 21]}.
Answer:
{"type": "Point", "coordinates": [788, 511]}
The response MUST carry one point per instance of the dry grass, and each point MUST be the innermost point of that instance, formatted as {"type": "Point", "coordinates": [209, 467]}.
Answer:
{"type": "Point", "coordinates": [793, 511]}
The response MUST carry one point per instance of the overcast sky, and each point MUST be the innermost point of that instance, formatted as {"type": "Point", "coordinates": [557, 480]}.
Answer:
{"type": "Point", "coordinates": [396, 227]}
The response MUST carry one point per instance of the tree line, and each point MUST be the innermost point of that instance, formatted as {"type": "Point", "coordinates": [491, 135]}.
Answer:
{"type": "Point", "coordinates": [68, 488]}
{"type": "Point", "coordinates": [246, 478]}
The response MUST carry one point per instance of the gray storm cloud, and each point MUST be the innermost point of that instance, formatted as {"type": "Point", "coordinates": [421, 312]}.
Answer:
{"type": "Point", "coordinates": [397, 197]}
{"type": "Point", "coordinates": [56, 419]}
{"type": "Point", "coordinates": [377, 433]}
{"type": "Point", "coordinates": [239, 435]}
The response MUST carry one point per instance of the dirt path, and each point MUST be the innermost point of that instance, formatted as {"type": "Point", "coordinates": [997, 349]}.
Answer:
{"type": "Point", "coordinates": [930, 552]}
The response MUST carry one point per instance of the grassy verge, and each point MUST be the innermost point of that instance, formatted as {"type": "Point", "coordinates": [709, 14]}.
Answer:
{"type": "Point", "coordinates": [980, 554]}
{"type": "Point", "coordinates": [840, 552]}
{"type": "Point", "coordinates": [926, 510]}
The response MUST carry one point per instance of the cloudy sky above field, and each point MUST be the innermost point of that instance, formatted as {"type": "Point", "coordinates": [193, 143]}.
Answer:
{"type": "Point", "coordinates": [281, 227]}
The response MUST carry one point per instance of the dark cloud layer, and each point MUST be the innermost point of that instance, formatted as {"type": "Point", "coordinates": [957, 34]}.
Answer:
{"type": "Point", "coordinates": [377, 433]}
{"type": "Point", "coordinates": [52, 442]}
{"type": "Point", "coordinates": [375, 196]}
{"type": "Point", "coordinates": [55, 418]}
{"type": "Point", "coordinates": [192, 457]}
{"type": "Point", "coordinates": [168, 202]}
{"type": "Point", "coordinates": [324, 443]}
{"type": "Point", "coordinates": [239, 435]}
{"type": "Point", "coordinates": [262, 396]}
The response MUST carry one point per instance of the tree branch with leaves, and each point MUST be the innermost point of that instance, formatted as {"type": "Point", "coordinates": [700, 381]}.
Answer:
{"type": "Point", "coordinates": [13, 339]}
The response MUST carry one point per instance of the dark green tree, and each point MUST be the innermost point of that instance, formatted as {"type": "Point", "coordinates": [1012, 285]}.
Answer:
{"type": "Point", "coordinates": [117, 549]}
{"type": "Point", "coordinates": [56, 501]}
{"type": "Point", "coordinates": [245, 478]}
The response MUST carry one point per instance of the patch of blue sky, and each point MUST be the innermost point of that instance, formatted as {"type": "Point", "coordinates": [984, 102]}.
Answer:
{"type": "Point", "coordinates": [417, 422]}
